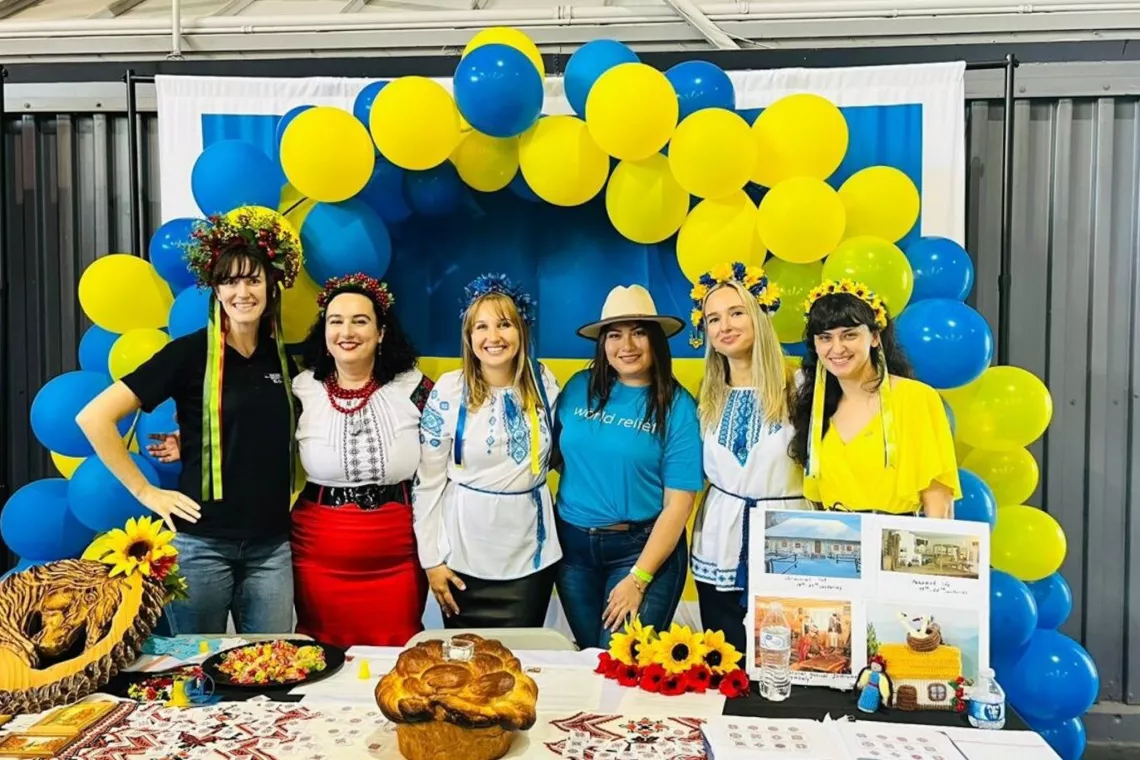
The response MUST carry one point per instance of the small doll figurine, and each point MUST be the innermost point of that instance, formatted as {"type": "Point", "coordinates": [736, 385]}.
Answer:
{"type": "Point", "coordinates": [874, 686]}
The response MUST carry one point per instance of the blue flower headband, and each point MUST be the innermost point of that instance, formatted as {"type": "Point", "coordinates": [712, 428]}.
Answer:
{"type": "Point", "coordinates": [485, 284]}
{"type": "Point", "coordinates": [754, 280]}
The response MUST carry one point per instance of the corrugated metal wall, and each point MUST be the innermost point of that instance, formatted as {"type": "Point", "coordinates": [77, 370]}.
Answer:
{"type": "Point", "coordinates": [1076, 222]}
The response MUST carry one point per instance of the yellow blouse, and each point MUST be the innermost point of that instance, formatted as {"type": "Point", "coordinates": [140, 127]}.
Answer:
{"type": "Point", "coordinates": [854, 474]}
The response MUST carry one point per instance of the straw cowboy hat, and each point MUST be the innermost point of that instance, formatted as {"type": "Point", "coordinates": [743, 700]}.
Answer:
{"type": "Point", "coordinates": [632, 304]}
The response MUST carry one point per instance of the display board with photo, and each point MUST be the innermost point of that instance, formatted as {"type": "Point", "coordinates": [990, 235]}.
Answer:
{"type": "Point", "coordinates": [849, 586]}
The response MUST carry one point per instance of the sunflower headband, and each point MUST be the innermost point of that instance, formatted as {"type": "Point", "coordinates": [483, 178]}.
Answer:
{"type": "Point", "coordinates": [752, 278]}
{"type": "Point", "coordinates": [247, 229]}
{"type": "Point", "coordinates": [857, 289]}
{"type": "Point", "coordinates": [376, 290]}
{"type": "Point", "coordinates": [486, 284]}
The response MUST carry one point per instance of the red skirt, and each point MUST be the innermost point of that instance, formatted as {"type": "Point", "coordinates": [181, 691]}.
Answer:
{"type": "Point", "coordinates": [356, 574]}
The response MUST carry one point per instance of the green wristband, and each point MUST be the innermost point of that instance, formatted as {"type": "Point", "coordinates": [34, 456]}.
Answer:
{"type": "Point", "coordinates": [641, 575]}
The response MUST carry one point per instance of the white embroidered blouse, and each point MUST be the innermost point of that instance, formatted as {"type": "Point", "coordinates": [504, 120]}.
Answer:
{"type": "Point", "coordinates": [491, 518]}
{"type": "Point", "coordinates": [745, 458]}
{"type": "Point", "coordinates": [377, 445]}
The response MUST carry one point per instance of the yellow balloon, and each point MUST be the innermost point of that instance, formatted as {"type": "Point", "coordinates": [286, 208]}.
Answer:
{"type": "Point", "coordinates": [121, 292]}
{"type": "Point", "coordinates": [299, 308]}
{"type": "Point", "coordinates": [1006, 408]}
{"type": "Point", "coordinates": [414, 122]}
{"type": "Point", "coordinates": [327, 154]}
{"type": "Point", "coordinates": [511, 38]}
{"type": "Point", "coordinates": [632, 111]}
{"type": "Point", "coordinates": [880, 201]}
{"type": "Point", "coordinates": [717, 231]}
{"type": "Point", "coordinates": [66, 465]}
{"type": "Point", "coordinates": [561, 162]}
{"type": "Point", "coordinates": [486, 163]}
{"type": "Point", "coordinates": [290, 198]}
{"type": "Point", "coordinates": [800, 135]}
{"type": "Point", "coordinates": [134, 347]}
{"type": "Point", "coordinates": [795, 281]}
{"type": "Point", "coordinates": [876, 263]}
{"type": "Point", "coordinates": [1012, 475]}
{"type": "Point", "coordinates": [961, 451]}
{"type": "Point", "coordinates": [1027, 543]}
{"type": "Point", "coordinates": [801, 220]}
{"type": "Point", "coordinates": [712, 153]}
{"type": "Point", "coordinates": [644, 201]}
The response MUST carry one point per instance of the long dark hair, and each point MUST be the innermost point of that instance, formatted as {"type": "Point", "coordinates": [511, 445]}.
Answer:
{"type": "Point", "coordinates": [396, 355]}
{"type": "Point", "coordinates": [662, 384]}
{"type": "Point", "coordinates": [250, 261]}
{"type": "Point", "coordinates": [828, 313]}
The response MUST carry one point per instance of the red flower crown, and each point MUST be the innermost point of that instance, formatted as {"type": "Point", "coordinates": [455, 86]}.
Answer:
{"type": "Point", "coordinates": [377, 290]}
{"type": "Point", "coordinates": [246, 229]}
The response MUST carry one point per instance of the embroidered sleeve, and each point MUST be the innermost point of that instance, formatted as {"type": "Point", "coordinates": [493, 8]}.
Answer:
{"type": "Point", "coordinates": [421, 392]}
{"type": "Point", "coordinates": [437, 423]}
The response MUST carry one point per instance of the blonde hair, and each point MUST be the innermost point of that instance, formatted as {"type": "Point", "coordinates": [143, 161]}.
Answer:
{"type": "Point", "coordinates": [478, 391]}
{"type": "Point", "coordinates": [769, 372]}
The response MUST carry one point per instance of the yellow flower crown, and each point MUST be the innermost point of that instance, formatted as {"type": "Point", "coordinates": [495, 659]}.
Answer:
{"type": "Point", "coordinates": [857, 289]}
{"type": "Point", "coordinates": [766, 292]}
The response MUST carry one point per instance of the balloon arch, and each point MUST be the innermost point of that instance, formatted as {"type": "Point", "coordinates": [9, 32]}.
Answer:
{"type": "Point", "coordinates": [687, 164]}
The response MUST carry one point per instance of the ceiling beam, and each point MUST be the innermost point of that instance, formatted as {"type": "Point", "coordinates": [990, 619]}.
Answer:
{"type": "Point", "coordinates": [353, 6]}
{"type": "Point", "coordinates": [689, 11]}
{"type": "Point", "coordinates": [12, 7]}
{"type": "Point", "coordinates": [115, 8]}
{"type": "Point", "coordinates": [232, 8]}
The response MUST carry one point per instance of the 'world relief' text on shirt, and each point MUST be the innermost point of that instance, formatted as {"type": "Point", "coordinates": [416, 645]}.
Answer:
{"type": "Point", "coordinates": [616, 464]}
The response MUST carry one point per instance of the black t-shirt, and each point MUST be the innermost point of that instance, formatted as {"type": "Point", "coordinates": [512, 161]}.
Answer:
{"type": "Point", "coordinates": [256, 450]}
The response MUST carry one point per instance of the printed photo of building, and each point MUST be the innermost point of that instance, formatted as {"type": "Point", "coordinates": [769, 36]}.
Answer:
{"type": "Point", "coordinates": [817, 544]}
{"type": "Point", "coordinates": [921, 553]}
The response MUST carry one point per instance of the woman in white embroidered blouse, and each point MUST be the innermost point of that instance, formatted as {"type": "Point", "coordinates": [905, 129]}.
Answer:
{"type": "Point", "coordinates": [356, 573]}
{"type": "Point", "coordinates": [484, 517]}
{"type": "Point", "coordinates": [743, 411]}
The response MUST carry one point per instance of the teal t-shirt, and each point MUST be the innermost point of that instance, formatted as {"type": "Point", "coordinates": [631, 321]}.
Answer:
{"type": "Point", "coordinates": [615, 466]}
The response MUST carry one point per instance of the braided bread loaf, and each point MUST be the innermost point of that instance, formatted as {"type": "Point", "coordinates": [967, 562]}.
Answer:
{"type": "Point", "coordinates": [457, 710]}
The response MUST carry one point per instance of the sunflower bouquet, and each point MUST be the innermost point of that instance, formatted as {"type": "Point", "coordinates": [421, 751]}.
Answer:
{"type": "Point", "coordinates": [145, 548]}
{"type": "Point", "coordinates": [673, 662]}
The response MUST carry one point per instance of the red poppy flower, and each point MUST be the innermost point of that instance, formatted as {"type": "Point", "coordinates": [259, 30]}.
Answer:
{"type": "Point", "coordinates": [628, 675]}
{"type": "Point", "coordinates": [651, 678]}
{"type": "Point", "coordinates": [674, 684]}
{"type": "Point", "coordinates": [698, 678]}
{"type": "Point", "coordinates": [960, 707]}
{"type": "Point", "coordinates": [735, 684]}
{"type": "Point", "coordinates": [606, 665]}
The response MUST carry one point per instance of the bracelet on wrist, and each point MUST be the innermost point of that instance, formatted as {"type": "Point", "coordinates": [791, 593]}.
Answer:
{"type": "Point", "coordinates": [641, 575]}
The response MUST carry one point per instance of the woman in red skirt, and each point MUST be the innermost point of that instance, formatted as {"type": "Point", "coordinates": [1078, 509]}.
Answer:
{"type": "Point", "coordinates": [357, 577]}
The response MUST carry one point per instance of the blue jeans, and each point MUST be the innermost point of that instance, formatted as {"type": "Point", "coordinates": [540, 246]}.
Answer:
{"type": "Point", "coordinates": [251, 579]}
{"type": "Point", "coordinates": [594, 561]}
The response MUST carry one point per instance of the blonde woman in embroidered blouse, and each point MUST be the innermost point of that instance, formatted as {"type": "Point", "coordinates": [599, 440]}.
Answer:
{"type": "Point", "coordinates": [484, 517]}
{"type": "Point", "coordinates": [870, 438]}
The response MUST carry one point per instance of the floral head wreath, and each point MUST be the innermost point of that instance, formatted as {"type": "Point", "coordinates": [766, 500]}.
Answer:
{"type": "Point", "coordinates": [752, 278]}
{"type": "Point", "coordinates": [485, 284]}
{"type": "Point", "coordinates": [245, 229]}
{"type": "Point", "coordinates": [376, 290]}
{"type": "Point", "coordinates": [857, 289]}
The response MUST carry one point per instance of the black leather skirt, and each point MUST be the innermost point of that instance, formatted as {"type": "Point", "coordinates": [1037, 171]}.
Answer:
{"type": "Point", "coordinates": [519, 603]}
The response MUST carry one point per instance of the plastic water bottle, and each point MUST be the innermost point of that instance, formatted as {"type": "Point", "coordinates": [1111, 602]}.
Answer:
{"type": "Point", "coordinates": [987, 702]}
{"type": "Point", "coordinates": [775, 652]}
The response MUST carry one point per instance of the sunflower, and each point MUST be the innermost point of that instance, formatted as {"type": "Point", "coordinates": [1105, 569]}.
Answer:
{"type": "Point", "coordinates": [679, 649]}
{"type": "Point", "coordinates": [142, 544]}
{"type": "Point", "coordinates": [633, 645]}
{"type": "Point", "coordinates": [720, 656]}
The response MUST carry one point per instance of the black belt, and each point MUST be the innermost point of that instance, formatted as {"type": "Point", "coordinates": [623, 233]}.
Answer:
{"type": "Point", "coordinates": [368, 496]}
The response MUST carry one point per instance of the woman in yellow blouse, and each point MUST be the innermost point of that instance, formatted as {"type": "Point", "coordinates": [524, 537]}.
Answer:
{"type": "Point", "coordinates": [868, 444]}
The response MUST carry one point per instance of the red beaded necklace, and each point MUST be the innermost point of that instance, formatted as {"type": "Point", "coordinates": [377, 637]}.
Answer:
{"type": "Point", "coordinates": [337, 394]}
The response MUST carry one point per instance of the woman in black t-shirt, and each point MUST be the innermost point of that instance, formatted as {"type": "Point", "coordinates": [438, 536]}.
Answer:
{"type": "Point", "coordinates": [231, 387]}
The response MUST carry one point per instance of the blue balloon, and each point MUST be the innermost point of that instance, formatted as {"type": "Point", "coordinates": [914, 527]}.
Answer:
{"type": "Point", "coordinates": [362, 106]}
{"type": "Point", "coordinates": [498, 90]}
{"type": "Point", "coordinates": [520, 188]}
{"type": "Point", "coordinates": [799, 348]}
{"type": "Point", "coordinates": [284, 122]}
{"type": "Point", "coordinates": [1054, 679]}
{"type": "Point", "coordinates": [56, 406]}
{"type": "Point", "coordinates": [1067, 737]}
{"type": "Point", "coordinates": [750, 115]}
{"type": "Point", "coordinates": [942, 269]}
{"type": "Point", "coordinates": [700, 85]}
{"type": "Point", "coordinates": [342, 238]}
{"type": "Point", "coordinates": [37, 524]}
{"type": "Point", "coordinates": [189, 312]}
{"type": "Point", "coordinates": [168, 255]}
{"type": "Point", "coordinates": [233, 173]}
{"type": "Point", "coordinates": [978, 503]}
{"type": "Point", "coordinates": [435, 192]}
{"type": "Point", "coordinates": [99, 500]}
{"type": "Point", "coordinates": [587, 64]}
{"type": "Point", "coordinates": [95, 349]}
{"type": "Point", "coordinates": [160, 422]}
{"type": "Point", "coordinates": [948, 343]}
{"type": "Point", "coordinates": [1013, 612]}
{"type": "Point", "coordinates": [21, 566]}
{"type": "Point", "coordinates": [385, 192]}
{"type": "Point", "coordinates": [1054, 601]}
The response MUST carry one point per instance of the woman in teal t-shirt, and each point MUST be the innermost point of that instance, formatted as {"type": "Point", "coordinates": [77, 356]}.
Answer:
{"type": "Point", "coordinates": [631, 469]}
